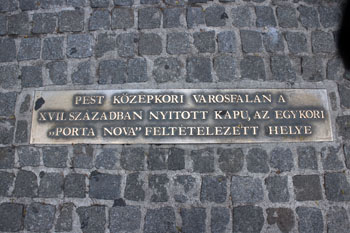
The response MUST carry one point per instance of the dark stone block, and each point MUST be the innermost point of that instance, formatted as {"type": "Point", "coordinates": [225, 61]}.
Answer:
{"type": "Point", "coordinates": [123, 2]}
{"type": "Point", "coordinates": [133, 159]}
{"type": "Point", "coordinates": [215, 16]}
{"type": "Point", "coordinates": [310, 219]}
{"type": "Point", "coordinates": [171, 17]}
{"type": "Point", "coordinates": [6, 180]}
{"type": "Point", "coordinates": [134, 187]}
{"type": "Point", "coordinates": [251, 41]}
{"type": "Point", "coordinates": [281, 159]}
{"type": "Point", "coordinates": [29, 49]}
{"type": "Point", "coordinates": [242, 16]}
{"type": "Point", "coordinates": [230, 160]}
{"type": "Point", "coordinates": [7, 157]}
{"type": "Point", "coordinates": [178, 43]}
{"type": "Point", "coordinates": [312, 69]}
{"type": "Point", "coordinates": [137, 70]}
{"type": "Point", "coordinates": [193, 220]}
{"type": "Point", "coordinates": [7, 128]}
{"type": "Point", "coordinates": [53, 48]}
{"type": "Point", "coordinates": [194, 16]}
{"type": "Point", "coordinates": [31, 76]}
{"type": "Point", "coordinates": [167, 69]}
{"type": "Point", "coordinates": [55, 156]}
{"type": "Point", "coordinates": [71, 21]}
{"type": "Point", "coordinates": [198, 69]}
{"type": "Point", "coordinates": [51, 185]}
{"type": "Point", "coordinates": [160, 220]}
{"type": "Point", "coordinates": [107, 159]}
{"type": "Point", "coordinates": [307, 158]}
{"type": "Point", "coordinates": [257, 161]}
{"type": "Point", "coordinates": [297, 42]}
{"type": "Point", "coordinates": [204, 41]}
{"type": "Point", "coordinates": [126, 44]}
{"type": "Point", "coordinates": [265, 16]}
{"type": "Point", "coordinates": [44, 23]}
{"type": "Point", "coordinates": [226, 42]}
{"type": "Point", "coordinates": [203, 160]}
{"type": "Point", "coordinates": [281, 68]}
{"type": "Point", "coordinates": [122, 18]}
{"type": "Point", "coordinates": [92, 219]}
{"type": "Point", "coordinates": [11, 217]}
{"type": "Point", "coordinates": [277, 187]}
{"type": "Point", "coordinates": [337, 187]}
{"type": "Point", "coordinates": [21, 135]}
{"type": "Point", "coordinates": [273, 41]}
{"type": "Point", "coordinates": [39, 217]}
{"type": "Point", "coordinates": [112, 71]}
{"type": "Point", "coordinates": [186, 188]}
{"type": "Point", "coordinates": [157, 183]}
{"type": "Point", "coordinates": [57, 72]}
{"type": "Point", "coordinates": [246, 189]}
{"type": "Point", "coordinates": [337, 220]}
{"type": "Point", "coordinates": [104, 44]}
{"type": "Point", "coordinates": [323, 42]}
{"type": "Point", "coordinates": [331, 158]}
{"type": "Point", "coordinates": [9, 76]}
{"type": "Point", "coordinates": [64, 221]}
{"type": "Point", "coordinates": [307, 187]}
{"type": "Point", "coordinates": [99, 3]}
{"type": "Point", "coordinates": [287, 17]}
{"type": "Point", "coordinates": [124, 218]}
{"type": "Point", "coordinates": [248, 219]}
{"type": "Point", "coordinates": [220, 218]}
{"type": "Point", "coordinates": [150, 44]}
{"type": "Point", "coordinates": [252, 67]}
{"type": "Point", "coordinates": [7, 50]}
{"type": "Point", "coordinates": [282, 217]}
{"type": "Point", "coordinates": [343, 126]}
{"type": "Point", "coordinates": [18, 24]}
{"type": "Point", "coordinates": [79, 46]}
{"type": "Point", "coordinates": [329, 15]}
{"type": "Point", "coordinates": [82, 156]}
{"type": "Point", "coordinates": [213, 189]}
{"type": "Point", "coordinates": [308, 17]}
{"type": "Point", "coordinates": [99, 19]}
{"type": "Point", "coordinates": [225, 67]}
{"type": "Point", "coordinates": [25, 105]}
{"type": "Point", "coordinates": [82, 74]}
{"type": "Point", "coordinates": [157, 158]}
{"type": "Point", "coordinates": [149, 18]}
{"type": "Point", "coordinates": [176, 159]}
{"type": "Point", "coordinates": [104, 186]}
{"type": "Point", "coordinates": [74, 185]}
{"type": "Point", "coordinates": [26, 184]}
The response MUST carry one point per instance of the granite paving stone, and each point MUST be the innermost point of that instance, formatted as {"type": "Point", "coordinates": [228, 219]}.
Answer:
{"type": "Point", "coordinates": [7, 157]}
{"type": "Point", "coordinates": [343, 126]}
{"type": "Point", "coordinates": [53, 48]}
{"type": "Point", "coordinates": [335, 69]}
{"type": "Point", "coordinates": [277, 187]}
{"type": "Point", "coordinates": [286, 16]}
{"type": "Point", "coordinates": [55, 156]}
{"type": "Point", "coordinates": [158, 186]}
{"type": "Point", "coordinates": [203, 160]}
{"type": "Point", "coordinates": [193, 219]}
{"type": "Point", "coordinates": [220, 218]}
{"type": "Point", "coordinates": [82, 74]}
{"type": "Point", "coordinates": [204, 41]}
{"type": "Point", "coordinates": [178, 43]}
{"type": "Point", "coordinates": [329, 15]}
{"type": "Point", "coordinates": [123, 2]}
{"type": "Point", "coordinates": [172, 17]}
{"type": "Point", "coordinates": [74, 185]}
{"type": "Point", "coordinates": [79, 46]}
{"type": "Point", "coordinates": [230, 160]}
{"type": "Point", "coordinates": [112, 71]}
{"type": "Point", "coordinates": [310, 219]}
{"type": "Point", "coordinates": [307, 187]}
{"type": "Point", "coordinates": [257, 161]}
{"type": "Point", "coordinates": [225, 67]}
{"type": "Point", "coordinates": [322, 42]}
{"type": "Point", "coordinates": [265, 16]}
{"type": "Point", "coordinates": [57, 72]}
{"type": "Point", "coordinates": [273, 41]}
{"type": "Point", "coordinates": [126, 44]}
{"type": "Point", "coordinates": [51, 185]}
{"type": "Point", "coordinates": [71, 21]}
{"type": "Point", "coordinates": [282, 217]}
{"type": "Point", "coordinates": [6, 181]}
{"type": "Point", "coordinates": [242, 16]}
{"type": "Point", "coordinates": [245, 189]}
{"type": "Point", "coordinates": [185, 188]}
{"type": "Point", "coordinates": [124, 218]}
{"type": "Point", "coordinates": [308, 16]}
{"type": "Point", "coordinates": [282, 69]}
{"type": "Point", "coordinates": [251, 41]}
{"type": "Point", "coordinates": [150, 44]}
{"type": "Point", "coordinates": [29, 49]}
{"type": "Point", "coordinates": [107, 159]}
{"type": "Point", "coordinates": [166, 69]}
{"type": "Point", "coordinates": [82, 156]}
{"type": "Point", "coordinates": [149, 18]}
{"type": "Point", "coordinates": [176, 159]}
{"type": "Point", "coordinates": [253, 68]}
{"type": "Point", "coordinates": [99, 19]}
{"type": "Point", "coordinates": [312, 68]}
{"type": "Point", "coordinates": [134, 187]}
{"type": "Point", "coordinates": [194, 17]}
{"type": "Point", "coordinates": [248, 219]}
{"type": "Point", "coordinates": [330, 157]}
{"type": "Point", "coordinates": [26, 184]}
{"type": "Point", "coordinates": [64, 220]}
{"type": "Point", "coordinates": [213, 189]}
{"type": "Point", "coordinates": [160, 220]}
{"type": "Point", "coordinates": [11, 217]}
{"type": "Point", "coordinates": [44, 23]}
{"type": "Point", "coordinates": [198, 69]}
{"type": "Point", "coordinates": [99, 3]}
{"type": "Point", "coordinates": [337, 220]}
{"type": "Point", "coordinates": [92, 218]}
{"type": "Point", "coordinates": [18, 24]}
{"type": "Point", "coordinates": [122, 18]}
{"type": "Point", "coordinates": [40, 217]}
{"type": "Point", "coordinates": [31, 76]}
{"type": "Point", "coordinates": [7, 50]}
{"type": "Point", "coordinates": [104, 43]}
{"type": "Point", "coordinates": [137, 70]}
{"type": "Point", "coordinates": [281, 159]}
{"type": "Point", "coordinates": [215, 16]}
{"type": "Point", "coordinates": [104, 186]}
{"type": "Point", "coordinates": [297, 42]}
{"type": "Point", "coordinates": [337, 187]}
{"type": "Point", "coordinates": [307, 158]}
{"type": "Point", "coordinates": [7, 128]}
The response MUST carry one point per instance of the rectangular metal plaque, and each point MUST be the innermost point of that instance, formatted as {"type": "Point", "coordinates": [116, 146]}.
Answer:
{"type": "Point", "coordinates": [180, 116]}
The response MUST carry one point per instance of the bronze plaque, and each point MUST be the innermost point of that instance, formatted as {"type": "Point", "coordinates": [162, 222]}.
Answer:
{"type": "Point", "coordinates": [180, 116]}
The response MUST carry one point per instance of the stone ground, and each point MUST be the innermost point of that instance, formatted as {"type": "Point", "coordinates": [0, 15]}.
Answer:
{"type": "Point", "coordinates": [124, 44]}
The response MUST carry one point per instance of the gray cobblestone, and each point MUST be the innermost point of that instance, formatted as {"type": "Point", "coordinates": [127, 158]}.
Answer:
{"type": "Point", "coordinates": [7, 157]}
{"type": "Point", "coordinates": [331, 158]}
{"type": "Point", "coordinates": [51, 185]}
{"type": "Point", "coordinates": [55, 156]}
{"type": "Point", "coordinates": [343, 123]}
{"type": "Point", "coordinates": [186, 188]}
{"type": "Point", "coordinates": [124, 218]}
{"type": "Point", "coordinates": [104, 44]}
{"type": "Point", "coordinates": [21, 134]}
{"type": "Point", "coordinates": [176, 159]}
{"type": "Point", "coordinates": [149, 18]}
{"type": "Point", "coordinates": [220, 218]}
{"type": "Point", "coordinates": [150, 44]}
{"type": "Point", "coordinates": [92, 218]}
{"type": "Point", "coordinates": [308, 17]}
{"type": "Point", "coordinates": [246, 189]}
{"type": "Point", "coordinates": [215, 16]}
{"type": "Point", "coordinates": [126, 44]}
{"type": "Point", "coordinates": [281, 159]}
{"type": "Point", "coordinates": [133, 159]}
{"type": "Point", "coordinates": [287, 17]}
{"type": "Point", "coordinates": [282, 217]}
{"type": "Point", "coordinates": [230, 160]}
{"type": "Point", "coordinates": [99, 3]}
{"type": "Point", "coordinates": [18, 24]}
{"type": "Point", "coordinates": [137, 70]}
{"type": "Point", "coordinates": [29, 49]}
{"type": "Point", "coordinates": [7, 50]}
{"type": "Point", "coordinates": [74, 185]}
{"type": "Point", "coordinates": [297, 42]}
{"type": "Point", "coordinates": [47, 4]}
{"type": "Point", "coordinates": [9, 76]}
{"type": "Point", "coordinates": [8, 5]}
{"type": "Point", "coordinates": [282, 69]}
{"type": "Point", "coordinates": [99, 19]}
{"type": "Point", "coordinates": [310, 219]}
{"type": "Point", "coordinates": [251, 41]}
{"type": "Point", "coordinates": [178, 43]}
{"type": "Point", "coordinates": [277, 187]}
{"type": "Point", "coordinates": [337, 187]}
{"type": "Point", "coordinates": [335, 69]}
{"type": "Point", "coordinates": [71, 21]}
{"type": "Point", "coordinates": [337, 220]}
{"type": "Point", "coordinates": [76, 3]}
{"type": "Point", "coordinates": [104, 186]}
{"type": "Point", "coordinates": [7, 103]}
{"type": "Point", "coordinates": [122, 18]}
{"type": "Point", "coordinates": [307, 158]}
{"type": "Point", "coordinates": [226, 42]}
{"type": "Point", "coordinates": [265, 16]}
{"type": "Point", "coordinates": [329, 15]}
{"type": "Point", "coordinates": [57, 72]}
{"type": "Point", "coordinates": [198, 69]}
{"type": "Point", "coordinates": [257, 161]}
{"type": "Point", "coordinates": [79, 45]}
{"type": "Point", "coordinates": [273, 41]}
{"type": "Point", "coordinates": [157, 158]}
{"type": "Point", "coordinates": [322, 42]}
{"type": "Point", "coordinates": [194, 16]}
{"type": "Point", "coordinates": [151, 2]}
{"type": "Point", "coordinates": [107, 159]}
{"type": "Point", "coordinates": [203, 160]}
{"type": "Point", "coordinates": [65, 220]}
{"type": "Point", "coordinates": [160, 220]}
{"type": "Point", "coordinates": [193, 220]}
{"type": "Point", "coordinates": [53, 48]}
{"type": "Point", "coordinates": [172, 17]}
{"type": "Point", "coordinates": [7, 128]}
{"type": "Point", "coordinates": [82, 74]}
{"type": "Point", "coordinates": [134, 187]}
{"type": "Point", "coordinates": [3, 24]}
{"type": "Point", "coordinates": [157, 184]}
{"type": "Point", "coordinates": [225, 67]}
{"type": "Point", "coordinates": [25, 185]}
{"type": "Point", "coordinates": [312, 69]}
{"type": "Point", "coordinates": [241, 16]}
{"type": "Point", "coordinates": [26, 5]}
{"type": "Point", "coordinates": [113, 71]}
{"type": "Point", "coordinates": [252, 67]}
{"type": "Point", "coordinates": [123, 2]}
{"type": "Point", "coordinates": [307, 187]}
{"type": "Point", "coordinates": [204, 41]}
{"type": "Point", "coordinates": [166, 69]}
{"type": "Point", "coordinates": [11, 217]}
{"type": "Point", "coordinates": [213, 189]}
{"type": "Point", "coordinates": [82, 156]}
{"type": "Point", "coordinates": [248, 219]}
{"type": "Point", "coordinates": [6, 181]}
{"type": "Point", "coordinates": [31, 76]}
{"type": "Point", "coordinates": [44, 23]}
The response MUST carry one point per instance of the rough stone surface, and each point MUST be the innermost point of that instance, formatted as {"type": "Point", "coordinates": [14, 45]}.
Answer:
{"type": "Point", "coordinates": [337, 220]}
{"type": "Point", "coordinates": [124, 218]}
{"type": "Point", "coordinates": [257, 161]}
{"type": "Point", "coordinates": [26, 184]}
{"type": "Point", "coordinates": [134, 187]}
{"type": "Point", "coordinates": [172, 17]}
{"type": "Point", "coordinates": [246, 189]}
{"type": "Point", "coordinates": [54, 156]}
{"type": "Point", "coordinates": [18, 24]}
{"type": "Point", "coordinates": [29, 49]}
{"type": "Point", "coordinates": [287, 17]}
{"type": "Point", "coordinates": [251, 41]}
{"type": "Point", "coordinates": [149, 18]}
{"type": "Point", "coordinates": [71, 21]}
{"type": "Point", "coordinates": [203, 160]}
{"type": "Point", "coordinates": [82, 156]}
{"type": "Point", "coordinates": [7, 50]}
{"type": "Point", "coordinates": [198, 70]}
{"type": "Point", "coordinates": [92, 218]}
{"type": "Point", "coordinates": [82, 74]}
{"type": "Point", "coordinates": [312, 69]}
{"type": "Point", "coordinates": [248, 219]}
{"type": "Point", "coordinates": [215, 16]}
{"type": "Point", "coordinates": [297, 42]}
{"type": "Point", "coordinates": [273, 41]}
{"type": "Point", "coordinates": [157, 184]}
{"type": "Point", "coordinates": [112, 71]}
{"type": "Point", "coordinates": [51, 185]}
{"type": "Point", "coordinates": [308, 16]}
{"type": "Point", "coordinates": [220, 218]}
{"type": "Point", "coordinates": [252, 67]}
{"type": "Point", "coordinates": [39, 217]}
{"type": "Point", "coordinates": [230, 160]}
{"type": "Point", "coordinates": [57, 72]}
{"type": "Point", "coordinates": [282, 217]}
{"type": "Point", "coordinates": [7, 157]}
{"type": "Point", "coordinates": [307, 158]}
{"type": "Point", "coordinates": [31, 76]}
{"type": "Point", "coordinates": [126, 45]}
{"type": "Point", "coordinates": [79, 46]}
{"type": "Point", "coordinates": [310, 219]}
{"type": "Point", "coordinates": [150, 44]}
{"type": "Point", "coordinates": [227, 42]}
{"type": "Point", "coordinates": [265, 16]}
{"type": "Point", "coordinates": [122, 18]}
{"type": "Point", "coordinates": [225, 67]}
{"type": "Point", "coordinates": [9, 76]}
{"type": "Point", "coordinates": [281, 159]}
{"type": "Point", "coordinates": [99, 19]}
{"type": "Point", "coordinates": [6, 180]}
{"type": "Point", "coordinates": [74, 185]}
{"type": "Point", "coordinates": [160, 220]}
{"type": "Point", "coordinates": [322, 42]}
{"type": "Point", "coordinates": [204, 41]}
{"type": "Point", "coordinates": [178, 43]}
{"type": "Point", "coordinates": [277, 187]}
{"type": "Point", "coordinates": [331, 158]}
{"type": "Point", "coordinates": [166, 69]}
{"type": "Point", "coordinates": [282, 69]}
{"type": "Point", "coordinates": [337, 187]}
{"type": "Point", "coordinates": [213, 189]}
{"type": "Point", "coordinates": [11, 217]}
{"type": "Point", "coordinates": [137, 70]}
{"type": "Point", "coordinates": [307, 187]}
{"type": "Point", "coordinates": [104, 186]}
{"type": "Point", "coordinates": [104, 44]}
{"type": "Point", "coordinates": [242, 16]}
{"type": "Point", "coordinates": [193, 220]}
{"type": "Point", "coordinates": [195, 16]}
{"type": "Point", "coordinates": [65, 220]}
{"type": "Point", "coordinates": [44, 23]}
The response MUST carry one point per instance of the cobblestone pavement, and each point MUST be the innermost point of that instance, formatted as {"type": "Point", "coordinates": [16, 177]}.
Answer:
{"type": "Point", "coordinates": [125, 44]}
